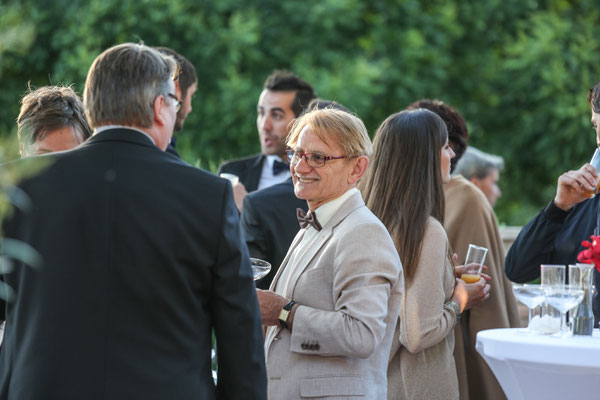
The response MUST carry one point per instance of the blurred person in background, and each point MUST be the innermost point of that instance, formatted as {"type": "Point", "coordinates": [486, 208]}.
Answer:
{"type": "Point", "coordinates": [554, 236]}
{"type": "Point", "coordinates": [284, 97]}
{"type": "Point", "coordinates": [482, 170]}
{"type": "Point", "coordinates": [51, 119]}
{"type": "Point", "coordinates": [187, 84]}
{"type": "Point", "coordinates": [406, 194]}
{"type": "Point", "coordinates": [469, 219]}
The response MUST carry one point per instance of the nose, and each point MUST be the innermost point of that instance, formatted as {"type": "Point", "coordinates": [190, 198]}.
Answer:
{"type": "Point", "coordinates": [265, 123]}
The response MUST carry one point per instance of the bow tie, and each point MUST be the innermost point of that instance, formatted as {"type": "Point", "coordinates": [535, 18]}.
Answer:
{"type": "Point", "coordinates": [306, 219]}
{"type": "Point", "coordinates": [279, 167]}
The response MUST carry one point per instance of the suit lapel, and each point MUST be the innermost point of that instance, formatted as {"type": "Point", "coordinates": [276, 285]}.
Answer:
{"type": "Point", "coordinates": [355, 201]}
{"type": "Point", "coordinates": [293, 246]}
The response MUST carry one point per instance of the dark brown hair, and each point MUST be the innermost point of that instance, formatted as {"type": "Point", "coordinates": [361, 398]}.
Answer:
{"type": "Point", "coordinates": [594, 97]}
{"type": "Point", "coordinates": [455, 123]}
{"type": "Point", "coordinates": [47, 109]}
{"type": "Point", "coordinates": [285, 81]}
{"type": "Point", "coordinates": [403, 185]}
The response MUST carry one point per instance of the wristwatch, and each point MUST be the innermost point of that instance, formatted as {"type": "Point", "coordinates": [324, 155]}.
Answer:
{"type": "Point", "coordinates": [452, 306]}
{"type": "Point", "coordinates": [285, 313]}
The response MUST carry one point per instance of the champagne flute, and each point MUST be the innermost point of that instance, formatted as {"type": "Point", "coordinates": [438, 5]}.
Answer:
{"type": "Point", "coordinates": [563, 298]}
{"type": "Point", "coordinates": [532, 296]}
{"type": "Point", "coordinates": [260, 268]}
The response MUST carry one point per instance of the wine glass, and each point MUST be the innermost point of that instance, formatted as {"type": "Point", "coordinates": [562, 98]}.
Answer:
{"type": "Point", "coordinates": [531, 295]}
{"type": "Point", "coordinates": [563, 298]}
{"type": "Point", "coordinates": [260, 268]}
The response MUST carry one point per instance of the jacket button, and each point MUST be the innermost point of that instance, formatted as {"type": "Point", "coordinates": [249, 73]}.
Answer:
{"type": "Point", "coordinates": [317, 347]}
{"type": "Point", "coordinates": [303, 346]}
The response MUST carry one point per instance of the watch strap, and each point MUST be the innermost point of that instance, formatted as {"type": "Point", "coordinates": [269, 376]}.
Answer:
{"type": "Point", "coordinates": [285, 313]}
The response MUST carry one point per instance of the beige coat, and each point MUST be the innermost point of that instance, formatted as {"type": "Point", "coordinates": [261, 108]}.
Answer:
{"type": "Point", "coordinates": [471, 219]}
{"type": "Point", "coordinates": [422, 365]}
{"type": "Point", "coordinates": [349, 291]}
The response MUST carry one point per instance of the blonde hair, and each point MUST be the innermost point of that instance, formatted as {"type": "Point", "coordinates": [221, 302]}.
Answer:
{"type": "Point", "coordinates": [331, 125]}
{"type": "Point", "coordinates": [123, 82]}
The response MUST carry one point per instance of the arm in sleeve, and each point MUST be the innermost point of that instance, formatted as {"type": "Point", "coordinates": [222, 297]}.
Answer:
{"type": "Point", "coordinates": [424, 322]}
{"type": "Point", "coordinates": [235, 312]}
{"type": "Point", "coordinates": [534, 245]}
{"type": "Point", "coordinates": [366, 272]}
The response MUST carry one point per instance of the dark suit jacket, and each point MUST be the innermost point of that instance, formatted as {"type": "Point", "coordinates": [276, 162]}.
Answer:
{"type": "Point", "coordinates": [269, 223]}
{"type": "Point", "coordinates": [143, 257]}
{"type": "Point", "coordinates": [247, 169]}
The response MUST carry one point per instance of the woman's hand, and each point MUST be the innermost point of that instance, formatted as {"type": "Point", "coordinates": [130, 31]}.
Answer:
{"type": "Point", "coordinates": [469, 295]}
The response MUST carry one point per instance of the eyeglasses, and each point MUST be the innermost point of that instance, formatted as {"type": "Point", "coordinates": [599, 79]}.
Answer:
{"type": "Point", "coordinates": [178, 104]}
{"type": "Point", "coordinates": [312, 159]}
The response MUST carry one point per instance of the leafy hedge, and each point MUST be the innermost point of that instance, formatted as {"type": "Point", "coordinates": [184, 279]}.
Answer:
{"type": "Point", "coordinates": [518, 70]}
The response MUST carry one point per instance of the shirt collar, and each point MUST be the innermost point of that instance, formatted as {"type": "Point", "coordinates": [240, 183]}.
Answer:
{"type": "Point", "coordinates": [327, 210]}
{"type": "Point", "coordinates": [271, 159]}
{"type": "Point", "coordinates": [107, 127]}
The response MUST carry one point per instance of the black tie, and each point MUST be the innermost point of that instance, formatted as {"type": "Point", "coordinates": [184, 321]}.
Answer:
{"type": "Point", "coordinates": [279, 167]}
{"type": "Point", "coordinates": [306, 219]}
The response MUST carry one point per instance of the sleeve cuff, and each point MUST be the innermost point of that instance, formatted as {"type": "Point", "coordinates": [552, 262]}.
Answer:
{"type": "Point", "coordinates": [554, 213]}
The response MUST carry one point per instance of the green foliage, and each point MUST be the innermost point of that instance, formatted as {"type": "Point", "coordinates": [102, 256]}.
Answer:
{"type": "Point", "coordinates": [518, 70]}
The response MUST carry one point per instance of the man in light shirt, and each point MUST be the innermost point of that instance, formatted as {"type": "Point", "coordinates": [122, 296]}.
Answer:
{"type": "Point", "coordinates": [332, 308]}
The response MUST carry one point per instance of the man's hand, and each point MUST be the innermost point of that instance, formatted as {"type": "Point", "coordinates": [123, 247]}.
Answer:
{"type": "Point", "coordinates": [239, 192]}
{"type": "Point", "coordinates": [575, 187]}
{"type": "Point", "coordinates": [270, 304]}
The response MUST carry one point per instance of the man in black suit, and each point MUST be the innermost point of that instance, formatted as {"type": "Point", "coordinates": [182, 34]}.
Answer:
{"type": "Point", "coordinates": [284, 97]}
{"type": "Point", "coordinates": [137, 272]}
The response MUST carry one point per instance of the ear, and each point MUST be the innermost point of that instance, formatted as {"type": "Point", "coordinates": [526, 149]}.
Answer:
{"type": "Point", "coordinates": [360, 167]}
{"type": "Point", "coordinates": [160, 107]}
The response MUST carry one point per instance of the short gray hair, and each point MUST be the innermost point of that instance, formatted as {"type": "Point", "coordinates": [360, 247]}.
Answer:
{"type": "Point", "coordinates": [123, 82]}
{"type": "Point", "coordinates": [477, 164]}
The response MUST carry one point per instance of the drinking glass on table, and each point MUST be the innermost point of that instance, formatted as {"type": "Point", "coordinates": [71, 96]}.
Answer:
{"type": "Point", "coordinates": [552, 276]}
{"type": "Point", "coordinates": [474, 264]}
{"type": "Point", "coordinates": [532, 296]}
{"type": "Point", "coordinates": [563, 298]}
{"type": "Point", "coordinates": [260, 268]}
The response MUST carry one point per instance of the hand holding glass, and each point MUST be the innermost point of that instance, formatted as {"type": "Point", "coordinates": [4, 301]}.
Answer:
{"type": "Point", "coordinates": [260, 268]}
{"type": "Point", "coordinates": [234, 179]}
{"type": "Point", "coordinates": [474, 264]}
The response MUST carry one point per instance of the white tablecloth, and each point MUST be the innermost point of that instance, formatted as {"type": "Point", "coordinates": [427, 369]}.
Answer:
{"type": "Point", "coordinates": [532, 367]}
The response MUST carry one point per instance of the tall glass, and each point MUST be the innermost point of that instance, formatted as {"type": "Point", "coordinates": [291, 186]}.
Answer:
{"type": "Point", "coordinates": [595, 162]}
{"type": "Point", "coordinates": [474, 263]}
{"type": "Point", "coordinates": [582, 318]}
{"type": "Point", "coordinates": [552, 275]}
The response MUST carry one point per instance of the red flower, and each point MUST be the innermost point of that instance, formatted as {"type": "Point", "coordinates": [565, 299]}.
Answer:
{"type": "Point", "coordinates": [591, 255]}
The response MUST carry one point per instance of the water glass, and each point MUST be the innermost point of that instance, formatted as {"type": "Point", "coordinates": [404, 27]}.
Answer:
{"type": "Point", "coordinates": [474, 263]}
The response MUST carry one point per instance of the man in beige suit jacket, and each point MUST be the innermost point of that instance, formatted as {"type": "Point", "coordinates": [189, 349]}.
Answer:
{"type": "Point", "coordinates": [333, 305]}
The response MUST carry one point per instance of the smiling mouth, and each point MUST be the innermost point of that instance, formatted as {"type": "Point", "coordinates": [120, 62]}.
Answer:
{"type": "Point", "coordinates": [305, 180]}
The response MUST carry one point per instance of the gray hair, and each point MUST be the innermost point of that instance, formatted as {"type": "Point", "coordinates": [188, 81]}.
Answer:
{"type": "Point", "coordinates": [477, 164]}
{"type": "Point", "coordinates": [123, 82]}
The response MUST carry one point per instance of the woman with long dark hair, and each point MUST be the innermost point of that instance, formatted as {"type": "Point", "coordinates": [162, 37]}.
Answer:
{"type": "Point", "coordinates": [403, 188]}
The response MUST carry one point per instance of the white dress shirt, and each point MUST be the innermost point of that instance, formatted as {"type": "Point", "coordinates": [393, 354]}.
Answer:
{"type": "Point", "coordinates": [267, 178]}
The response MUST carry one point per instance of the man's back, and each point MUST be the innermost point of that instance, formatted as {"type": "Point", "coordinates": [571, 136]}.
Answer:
{"type": "Point", "coordinates": [136, 273]}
